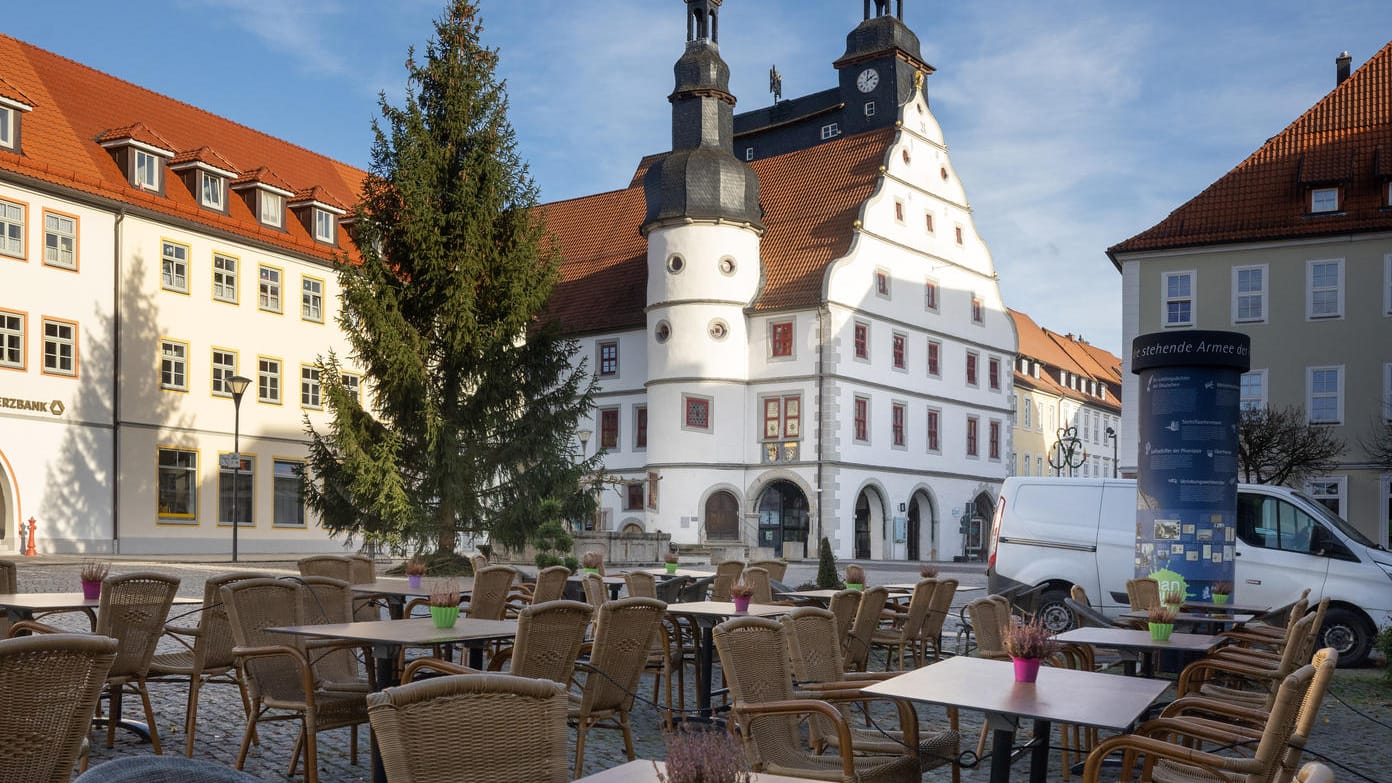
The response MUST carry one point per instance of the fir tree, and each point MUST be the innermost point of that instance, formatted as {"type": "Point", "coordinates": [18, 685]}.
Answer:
{"type": "Point", "coordinates": [473, 402]}
{"type": "Point", "coordinates": [827, 577]}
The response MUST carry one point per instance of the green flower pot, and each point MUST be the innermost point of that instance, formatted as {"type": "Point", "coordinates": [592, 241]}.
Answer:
{"type": "Point", "coordinates": [671, 568]}
{"type": "Point", "coordinates": [1220, 598]}
{"type": "Point", "coordinates": [855, 586]}
{"type": "Point", "coordinates": [589, 570]}
{"type": "Point", "coordinates": [444, 616]}
{"type": "Point", "coordinates": [1160, 632]}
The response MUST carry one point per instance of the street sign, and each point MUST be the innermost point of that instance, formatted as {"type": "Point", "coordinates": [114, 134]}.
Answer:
{"type": "Point", "coordinates": [229, 462]}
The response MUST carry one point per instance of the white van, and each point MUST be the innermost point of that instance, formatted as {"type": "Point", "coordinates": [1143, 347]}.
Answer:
{"type": "Point", "coordinates": [1050, 533]}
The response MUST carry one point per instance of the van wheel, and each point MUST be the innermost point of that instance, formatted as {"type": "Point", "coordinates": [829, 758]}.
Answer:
{"type": "Point", "coordinates": [1053, 612]}
{"type": "Point", "coordinates": [1347, 632]}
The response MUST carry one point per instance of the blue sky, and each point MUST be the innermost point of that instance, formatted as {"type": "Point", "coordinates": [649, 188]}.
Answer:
{"type": "Point", "coordinates": [1072, 125]}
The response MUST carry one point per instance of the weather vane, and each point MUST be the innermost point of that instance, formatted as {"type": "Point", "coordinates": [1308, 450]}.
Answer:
{"type": "Point", "coordinates": [775, 83]}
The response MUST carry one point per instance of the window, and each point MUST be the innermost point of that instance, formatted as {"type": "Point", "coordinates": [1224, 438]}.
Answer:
{"type": "Point", "coordinates": [934, 358]}
{"type": "Point", "coordinates": [899, 211]}
{"type": "Point", "coordinates": [268, 380]}
{"type": "Point", "coordinates": [609, 358]}
{"type": "Point", "coordinates": [312, 299]}
{"type": "Point", "coordinates": [993, 439]}
{"type": "Point", "coordinates": [268, 291]}
{"type": "Point", "coordinates": [1328, 492]}
{"type": "Point", "coordinates": [1179, 299]}
{"type": "Point", "coordinates": [934, 429]}
{"type": "Point", "coordinates": [60, 240]}
{"type": "Point", "coordinates": [324, 226]}
{"type": "Point", "coordinates": [609, 429]}
{"type": "Point", "coordinates": [12, 340]}
{"type": "Point", "coordinates": [1038, 466]}
{"type": "Point", "coordinates": [869, 108]}
{"type": "Point", "coordinates": [1326, 399]}
{"type": "Point", "coordinates": [245, 476]}
{"type": "Point", "coordinates": [862, 419]}
{"type": "Point", "coordinates": [1324, 200]}
{"type": "Point", "coordinates": [862, 340]}
{"type": "Point", "coordinates": [224, 367]}
{"type": "Point", "coordinates": [640, 427]}
{"type": "Point", "coordinates": [1271, 523]}
{"type": "Point", "coordinates": [174, 267]}
{"type": "Point", "coordinates": [213, 191]}
{"type": "Point", "coordinates": [147, 170]}
{"type": "Point", "coordinates": [633, 496]}
{"type": "Point", "coordinates": [783, 417]}
{"type": "Point", "coordinates": [749, 153]}
{"type": "Point", "coordinates": [928, 222]}
{"type": "Point", "coordinates": [353, 385]}
{"type": "Point", "coordinates": [272, 209]}
{"type": "Point", "coordinates": [897, 414]}
{"type": "Point", "coordinates": [971, 368]}
{"type": "Point", "coordinates": [288, 493]}
{"type": "Point", "coordinates": [1026, 409]}
{"type": "Point", "coordinates": [7, 127]}
{"type": "Point", "coordinates": [1253, 390]}
{"type": "Point", "coordinates": [177, 478]}
{"type": "Point", "coordinates": [993, 373]}
{"type": "Point", "coordinates": [696, 413]}
{"type": "Point", "coordinates": [930, 295]}
{"type": "Point", "coordinates": [1249, 294]}
{"type": "Point", "coordinates": [882, 283]}
{"type": "Point", "coordinates": [1325, 290]}
{"type": "Point", "coordinates": [12, 229]}
{"type": "Point", "coordinates": [973, 424]}
{"type": "Point", "coordinates": [978, 312]}
{"type": "Point", "coordinates": [311, 390]}
{"type": "Point", "coordinates": [173, 365]}
{"type": "Point", "coordinates": [1387, 392]}
{"type": "Point", "coordinates": [958, 231]}
{"type": "Point", "coordinates": [224, 278]}
{"type": "Point", "coordinates": [781, 338]}
{"type": "Point", "coordinates": [900, 349]}
{"type": "Point", "coordinates": [830, 130]}
{"type": "Point", "coordinates": [59, 347]}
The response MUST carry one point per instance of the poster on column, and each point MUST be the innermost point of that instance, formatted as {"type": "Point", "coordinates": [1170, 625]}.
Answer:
{"type": "Point", "coordinates": [1186, 487]}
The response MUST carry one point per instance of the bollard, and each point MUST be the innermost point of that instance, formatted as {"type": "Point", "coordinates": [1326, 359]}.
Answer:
{"type": "Point", "coordinates": [29, 551]}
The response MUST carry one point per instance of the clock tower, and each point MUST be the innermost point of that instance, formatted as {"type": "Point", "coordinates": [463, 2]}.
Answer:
{"type": "Point", "coordinates": [880, 66]}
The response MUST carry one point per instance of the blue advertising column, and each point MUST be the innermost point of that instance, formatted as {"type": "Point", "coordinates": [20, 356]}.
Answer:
{"type": "Point", "coordinates": [1186, 482]}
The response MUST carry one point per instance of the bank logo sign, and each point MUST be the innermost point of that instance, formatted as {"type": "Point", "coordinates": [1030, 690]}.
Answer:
{"type": "Point", "coordinates": [54, 407]}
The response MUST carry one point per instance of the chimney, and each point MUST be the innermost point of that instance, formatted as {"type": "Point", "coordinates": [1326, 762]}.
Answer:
{"type": "Point", "coordinates": [1342, 64]}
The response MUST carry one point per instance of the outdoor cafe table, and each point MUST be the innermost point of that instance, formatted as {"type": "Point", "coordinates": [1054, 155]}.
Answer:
{"type": "Point", "coordinates": [22, 606]}
{"type": "Point", "coordinates": [396, 590]}
{"type": "Point", "coordinates": [816, 595]}
{"type": "Point", "coordinates": [1212, 608]}
{"type": "Point", "coordinates": [645, 771]}
{"type": "Point", "coordinates": [1141, 641]}
{"type": "Point", "coordinates": [387, 637]}
{"type": "Point", "coordinates": [909, 587]}
{"type": "Point", "coordinates": [1106, 701]}
{"type": "Point", "coordinates": [706, 614]}
{"type": "Point", "coordinates": [1212, 622]}
{"type": "Point", "coordinates": [679, 572]}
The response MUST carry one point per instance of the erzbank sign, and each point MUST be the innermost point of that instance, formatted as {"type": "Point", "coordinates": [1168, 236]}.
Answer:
{"type": "Point", "coordinates": [54, 407]}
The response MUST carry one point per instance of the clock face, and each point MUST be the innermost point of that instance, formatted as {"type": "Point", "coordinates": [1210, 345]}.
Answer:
{"type": "Point", "coordinates": [868, 80]}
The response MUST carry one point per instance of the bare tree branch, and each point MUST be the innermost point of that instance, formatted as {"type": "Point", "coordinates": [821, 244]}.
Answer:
{"type": "Point", "coordinates": [1377, 442]}
{"type": "Point", "coordinates": [1277, 446]}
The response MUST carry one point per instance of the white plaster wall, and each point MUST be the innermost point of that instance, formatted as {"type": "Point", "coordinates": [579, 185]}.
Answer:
{"type": "Point", "coordinates": [1130, 329]}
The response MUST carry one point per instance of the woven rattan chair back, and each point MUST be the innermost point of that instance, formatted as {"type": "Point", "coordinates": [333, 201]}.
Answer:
{"type": "Point", "coordinates": [640, 585]}
{"type": "Point", "coordinates": [810, 633]}
{"type": "Point", "coordinates": [844, 604]}
{"type": "Point", "coordinates": [472, 728]}
{"type": "Point", "coordinates": [726, 574]}
{"type": "Point", "coordinates": [253, 606]}
{"type": "Point", "coordinates": [1143, 594]}
{"type": "Point", "coordinates": [1324, 661]}
{"type": "Point", "coordinates": [488, 600]}
{"type": "Point", "coordinates": [1077, 593]}
{"type": "Point", "coordinates": [213, 647]}
{"type": "Point", "coordinates": [9, 580]}
{"type": "Point", "coordinates": [623, 636]}
{"type": "Point", "coordinates": [1281, 725]}
{"type": "Point", "coordinates": [754, 659]}
{"type": "Point", "coordinates": [361, 570]}
{"type": "Point", "coordinates": [920, 602]}
{"type": "Point", "coordinates": [758, 578]}
{"type": "Point", "coordinates": [550, 584]}
{"type": "Point", "coordinates": [989, 620]}
{"type": "Point", "coordinates": [943, 594]}
{"type": "Point", "coordinates": [332, 566]}
{"type": "Point", "coordinates": [867, 619]}
{"type": "Point", "coordinates": [595, 591]}
{"type": "Point", "coordinates": [1307, 648]}
{"type": "Point", "coordinates": [777, 569]}
{"type": "Point", "coordinates": [324, 600]}
{"type": "Point", "coordinates": [697, 589]}
{"type": "Point", "coordinates": [549, 637]}
{"type": "Point", "coordinates": [479, 561]}
{"type": "Point", "coordinates": [50, 684]}
{"type": "Point", "coordinates": [133, 611]}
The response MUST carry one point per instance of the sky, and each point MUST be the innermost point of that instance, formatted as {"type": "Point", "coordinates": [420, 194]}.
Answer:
{"type": "Point", "coordinates": [1072, 125]}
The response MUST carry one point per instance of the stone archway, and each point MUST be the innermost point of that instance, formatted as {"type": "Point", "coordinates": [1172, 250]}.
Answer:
{"type": "Point", "coordinates": [922, 527]}
{"type": "Point", "coordinates": [9, 507]}
{"type": "Point", "coordinates": [722, 516]}
{"type": "Point", "coordinates": [783, 516]}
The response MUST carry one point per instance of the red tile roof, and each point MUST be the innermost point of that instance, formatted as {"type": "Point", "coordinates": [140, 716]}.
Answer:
{"type": "Point", "coordinates": [11, 92]}
{"type": "Point", "coordinates": [811, 200]}
{"type": "Point", "coordinates": [1065, 352]}
{"type": "Point", "coordinates": [1346, 138]}
{"type": "Point", "coordinates": [75, 105]}
{"type": "Point", "coordinates": [206, 155]}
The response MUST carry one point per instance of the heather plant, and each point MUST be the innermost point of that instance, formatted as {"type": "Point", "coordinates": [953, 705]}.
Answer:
{"type": "Point", "coordinates": [704, 757]}
{"type": "Point", "coordinates": [1222, 588]}
{"type": "Point", "coordinates": [592, 560]}
{"type": "Point", "coordinates": [670, 557]}
{"type": "Point", "coordinates": [855, 575]}
{"type": "Point", "coordinates": [415, 567]}
{"type": "Point", "coordinates": [446, 594]}
{"type": "Point", "coordinates": [741, 589]}
{"type": "Point", "coordinates": [94, 570]}
{"type": "Point", "coordinates": [1161, 615]}
{"type": "Point", "coordinates": [1029, 639]}
{"type": "Point", "coordinates": [928, 571]}
{"type": "Point", "coordinates": [1172, 597]}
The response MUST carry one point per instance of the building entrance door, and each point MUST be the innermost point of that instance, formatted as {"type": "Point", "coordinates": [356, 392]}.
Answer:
{"type": "Point", "coordinates": [783, 517]}
{"type": "Point", "coordinates": [862, 527]}
{"type": "Point", "coordinates": [722, 517]}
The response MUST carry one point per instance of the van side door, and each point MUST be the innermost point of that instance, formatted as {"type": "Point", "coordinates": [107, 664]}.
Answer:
{"type": "Point", "coordinates": [1274, 562]}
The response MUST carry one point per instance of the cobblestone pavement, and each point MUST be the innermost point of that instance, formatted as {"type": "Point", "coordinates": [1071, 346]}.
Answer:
{"type": "Point", "coordinates": [1343, 734]}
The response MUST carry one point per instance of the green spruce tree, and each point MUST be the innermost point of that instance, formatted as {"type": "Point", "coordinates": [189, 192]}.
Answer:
{"type": "Point", "coordinates": [827, 577]}
{"type": "Point", "coordinates": [472, 400]}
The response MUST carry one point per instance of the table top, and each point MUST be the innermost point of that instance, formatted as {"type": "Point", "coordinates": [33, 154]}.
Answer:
{"type": "Point", "coordinates": [1108, 701]}
{"type": "Point", "coordinates": [679, 572]}
{"type": "Point", "coordinates": [1129, 639]}
{"type": "Point", "coordinates": [1209, 606]}
{"type": "Point", "coordinates": [819, 595]}
{"type": "Point", "coordinates": [420, 631]}
{"type": "Point", "coordinates": [911, 585]}
{"type": "Point", "coordinates": [725, 609]}
{"type": "Point", "coordinates": [644, 771]}
{"type": "Point", "coordinates": [608, 580]}
{"type": "Point", "coordinates": [42, 602]}
{"type": "Point", "coordinates": [1196, 617]}
{"type": "Point", "coordinates": [396, 585]}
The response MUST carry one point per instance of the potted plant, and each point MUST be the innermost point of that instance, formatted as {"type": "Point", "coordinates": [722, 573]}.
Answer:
{"type": "Point", "coordinates": [93, 572]}
{"type": "Point", "coordinates": [928, 571]}
{"type": "Point", "coordinates": [1173, 598]}
{"type": "Point", "coordinates": [415, 569]}
{"type": "Point", "coordinates": [1221, 592]}
{"type": "Point", "coordinates": [855, 577]}
{"type": "Point", "coordinates": [703, 756]}
{"type": "Point", "coordinates": [670, 560]}
{"type": "Point", "coordinates": [741, 593]}
{"type": "Point", "coordinates": [591, 562]}
{"type": "Point", "coordinates": [1028, 644]}
{"type": "Point", "coordinates": [444, 605]}
{"type": "Point", "coordinates": [1161, 619]}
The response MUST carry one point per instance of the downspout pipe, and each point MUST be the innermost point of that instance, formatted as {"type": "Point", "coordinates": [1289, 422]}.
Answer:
{"type": "Point", "coordinates": [116, 376]}
{"type": "Point", "coordinates": [823, 326]}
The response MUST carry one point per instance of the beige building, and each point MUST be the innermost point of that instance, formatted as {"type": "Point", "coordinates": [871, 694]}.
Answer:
{"type": "Point", "coordinates": [1293, 247]}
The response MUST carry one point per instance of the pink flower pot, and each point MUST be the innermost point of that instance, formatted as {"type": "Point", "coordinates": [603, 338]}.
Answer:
{"type": "Point", "coordinates": [1026, 669]}
{"type": "Point", "coordinates": [91, 590]}
{"type": "Point", "coordinates": [741, 603]}
{"type": "Point", "coordinates": [414, 580]}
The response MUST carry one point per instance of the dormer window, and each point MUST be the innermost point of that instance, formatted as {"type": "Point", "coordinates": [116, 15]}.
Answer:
{"type": "Point", "coordinates": [324, 225]}
{"type": "Point", "coordinates": [213, 191]}
{"type": "Point", "coordinates": [1324, 200]}
{"type": "Point", "coordinates": [147, 171]}
{"type": "Point", "coordinates": [206, 174]}
{"type": "Point", "coordinates": [318, 213]}
{"type": "Point", "coordinates": [272, 209]}
{"type": "Point", "coordinates": [11, 114]}
{"type": "Point", "coordinates": [265, 195]}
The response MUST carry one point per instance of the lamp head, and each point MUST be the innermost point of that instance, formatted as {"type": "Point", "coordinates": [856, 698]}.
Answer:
{"type": "Point", "coordinates": [1111, 433]}
{"type": "Point", "coordinates": [238, 385]}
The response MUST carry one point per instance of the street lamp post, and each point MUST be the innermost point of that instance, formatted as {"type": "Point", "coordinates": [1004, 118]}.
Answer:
{"type": "Point", "coordinates": [1111, 433]}
{"type": "Point", "coordinates": [238, 386]}
{"type": "Point", "coordinates": [584, 437]}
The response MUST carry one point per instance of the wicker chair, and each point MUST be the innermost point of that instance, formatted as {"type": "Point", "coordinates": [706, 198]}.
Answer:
{"type": "Point", "coordinates": [1143, 594]}
{"type": "Point", "coordinates": [932, 631]}
{"type": "Point", "coordinates": [479, 561]}
{"type": "Point", "coordinates": [207, 655]}
{"type": "Point", "coordinates": [488, 599]}
{"type": "Point", "coordinates": [336, 667]}
{"type": "Point", "coordinates": [472, 728]}
{"type": "Point", "coordinates": [777, 569]}
{"type": "Point", "coordinates": [549, 637]}
{"type": "Point", "coordinates": [1167, 744]}
{"type": "Point", "coordinates": [596, 594]}
{"type": "Point", "coordinates": [990, 616]}
{"type": "Point", "coordinates": [8, 584]}
{"type": "Point", "coordinates": [332, 566]}
{"type": "Point", "coordinates": [1246, 681]}
{"type": "Point", "coordinates": [163, 769]}
{"type": "Point", "coordinates": [640, 584]}
{"type": "Point", "coordinates": [550, 584]}
{"type": "Point", "coordinates": [51, 685]}
{"type": "Point", "coordinates": [758, 578]}
{"type": "Point", "coordinates": [867, 620]}
{"type": "Point", "coordinates": [623, 637]}
{"type": "Point", "coordinates": [844, 604]}
{"type": "Point", "coordinates": [905, 636]}
{"type": "Point", "coordinates": [278, 672]}
{"type": "Point", "coordinates": [726, 574]}
{"type": "Point", "coordinates": [754, 658]}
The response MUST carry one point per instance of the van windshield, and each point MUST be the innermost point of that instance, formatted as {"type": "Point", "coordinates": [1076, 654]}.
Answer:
{"type": "Point", "coordinates": [1338, 522]}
